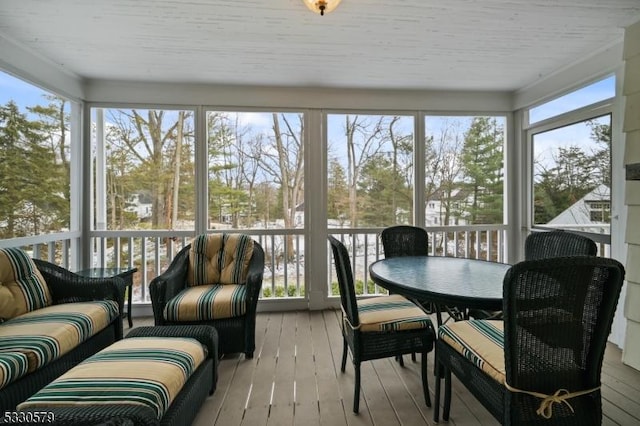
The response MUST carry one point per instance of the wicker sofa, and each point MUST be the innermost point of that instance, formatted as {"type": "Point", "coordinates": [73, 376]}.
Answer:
{"type": "Point", "coordinates": [50, 320]}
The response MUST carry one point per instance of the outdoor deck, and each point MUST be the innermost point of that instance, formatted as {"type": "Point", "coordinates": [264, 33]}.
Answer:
{"type": "Point", "coordinates": [295, 379]}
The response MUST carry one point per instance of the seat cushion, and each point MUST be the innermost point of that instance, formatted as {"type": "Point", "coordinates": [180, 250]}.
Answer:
{"type": "Point", "coordinates": [480, 341]}
{"type": "Point", "coordinates": [47, 334]}
{"type": "Point", "coordinates": [207, 302]}
{"type": "Point", "coordinates": [388, 313]}
{"type": "Point", "coordinates": [13, 365]}
{"type": "Point", "coordinates": [219, 259]}
{"type": "Point", "coordinates": [148, 371]}
{"type": "Point", "coordinates": [22, 287]}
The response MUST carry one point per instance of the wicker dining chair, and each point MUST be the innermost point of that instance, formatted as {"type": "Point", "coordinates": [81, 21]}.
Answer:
{"type": "Point", "coordinates": [379, 327]}
{"type": "Point", "coordinates": [545, 245]}
{"type": "Point", "coordinates": [542, 364]}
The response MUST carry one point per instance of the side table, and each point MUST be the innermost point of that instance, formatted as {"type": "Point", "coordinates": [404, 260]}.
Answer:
{"type": "Point", "coordinates": [125, 273]}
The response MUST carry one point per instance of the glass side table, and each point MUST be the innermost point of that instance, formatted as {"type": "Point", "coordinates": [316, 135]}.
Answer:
{"type": "Point", "coordinates": [125, 273]}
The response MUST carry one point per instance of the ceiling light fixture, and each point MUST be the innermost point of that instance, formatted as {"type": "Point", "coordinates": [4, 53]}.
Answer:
{"type": "Point", "coordinates": [322, 6]}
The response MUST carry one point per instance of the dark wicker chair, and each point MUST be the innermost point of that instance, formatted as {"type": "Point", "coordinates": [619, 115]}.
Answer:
{"type": "Point", "coordinates": [404, 240]}
{"type": "Point", "coordinates": [545, 245]}
{"type": "Point", "coordinates": [236, 334]}
{"type": "Point", "coordinates": [368, 344]}
{"type": "Point", "coordinates": [557, 318]}
{"type": "Point", "coordinates": [67, 287]}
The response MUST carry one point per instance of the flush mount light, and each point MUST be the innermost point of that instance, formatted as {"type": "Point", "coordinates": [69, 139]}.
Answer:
{"type": "Point", "coordinates": [322, 6]}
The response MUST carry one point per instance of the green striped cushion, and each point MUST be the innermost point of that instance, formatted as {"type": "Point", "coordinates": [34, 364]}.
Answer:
{"type": "Point", "coordinates": [207, 302]}
{"type": "Point", "coordinates": [13, 365]}
{"type": "Point", "coordinates": [204, 260]}
{"type": "Point", "coordinates": [147, 371]}
{"type": "Point", "coordinates": [219, 259]}
{"type": "Point", "coordinates": [234, 259]}
{"type": "Point", "coordinates": [387, 313]}
{"type": "Point", "coordinates": [22, 287]}
{"type": "Point", "coordinates": [480, 341]}
{"type": "Point", "coordinates": [47, 334]}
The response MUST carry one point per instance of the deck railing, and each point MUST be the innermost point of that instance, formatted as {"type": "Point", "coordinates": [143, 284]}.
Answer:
{"type": "Point", "coordinates": [284, 278]}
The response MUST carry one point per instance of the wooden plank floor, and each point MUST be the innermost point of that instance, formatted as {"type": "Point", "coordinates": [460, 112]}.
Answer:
{"type": "Point", "coordinates": [295, 379]}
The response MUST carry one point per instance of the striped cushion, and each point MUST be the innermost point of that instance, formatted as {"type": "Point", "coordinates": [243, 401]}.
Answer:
{"type": "Point", "coordinates": [219, 259]}
{"type": "Point", "coordinates": [207, 302]}
{"type": "Point", "coordinates": [148, 371]}
{"type": "Point", "coordinates": [22, 287]}
{"type": "Point", "coordinates": [481, 342]}
{"type": "Point", "coordinates": [387, 313]}
{"type": "Point", "coordinates": [47, 334]}
{"type": "Point", "coordinates": [13, 365]}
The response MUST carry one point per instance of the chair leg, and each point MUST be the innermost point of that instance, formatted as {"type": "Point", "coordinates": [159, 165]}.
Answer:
{"type": "Point", "coordinates": [437, 369]}
{"type": "Point", "coordinates": [344, 355]}
{"type": "Point", "coordinates": [447, 394]}
{"type": "Point", "coordinates": [425, 380]}
{"type": "Point", "coordinates": [356, 392]}
{"type": "Point", "coordinates": [400, 360]}
{"type": "Point", "coordinates": [413, 356]}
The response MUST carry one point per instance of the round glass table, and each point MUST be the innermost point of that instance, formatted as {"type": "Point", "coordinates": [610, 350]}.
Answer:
{"type": "Point", "coordinates": [449, 281]}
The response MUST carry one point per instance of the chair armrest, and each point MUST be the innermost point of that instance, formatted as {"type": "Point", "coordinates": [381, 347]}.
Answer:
{"type": "Point", "coordinates": [254, 278]}
{"type": "Point", "coordinates": [67, 287]}
{"type": "Point", "coordinates": [168, 284]}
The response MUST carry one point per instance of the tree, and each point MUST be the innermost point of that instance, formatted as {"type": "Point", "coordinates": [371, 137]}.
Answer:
{"type": "Point", "coordinates": [151, 157]}
{"type": "Point", "coordinates": [337, 192]}
{"type": "Point", "coordinates": [482, 159]}
{"type": "Point", "coordinates": [31, 181]}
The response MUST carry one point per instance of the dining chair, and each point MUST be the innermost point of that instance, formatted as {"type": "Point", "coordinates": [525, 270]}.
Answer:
{"type": "Point", "coordinates": [542, 364]}
{"type": "Point", "coordinates": [379, 327]}
{"type": "Point", "coordinates": [544, 245]}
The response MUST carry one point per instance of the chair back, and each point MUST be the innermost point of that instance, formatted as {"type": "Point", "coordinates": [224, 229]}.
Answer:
{"type": "Point", "coordinates": [543, 245]}
{"type": "Point", "coordinates": [345, 281]}
{"type": "Point", "coordinates": [557, 318]}
{"type": "Point", "coordinates": [405, 240]}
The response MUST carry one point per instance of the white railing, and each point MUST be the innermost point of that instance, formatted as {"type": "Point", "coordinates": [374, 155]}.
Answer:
{"type": "Point", "coordinates": [152, 251]}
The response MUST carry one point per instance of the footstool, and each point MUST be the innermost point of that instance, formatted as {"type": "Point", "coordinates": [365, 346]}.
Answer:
{"type": "Point", "coordinates": [154, 376]}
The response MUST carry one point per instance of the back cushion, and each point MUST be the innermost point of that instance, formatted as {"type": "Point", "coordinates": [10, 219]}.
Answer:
{"type": "Point", "coordinates": [22, 287]}
{"type": "Point", "coordinates": [219, 259]}
{"type": "Point", "coordinates": [234, 260]}
{"type": "Point", "coordinates": [204, 260]}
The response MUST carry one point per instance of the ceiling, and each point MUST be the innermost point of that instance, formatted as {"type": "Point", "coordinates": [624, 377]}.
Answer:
{"type": "Point", "coordinates": [401, 44]}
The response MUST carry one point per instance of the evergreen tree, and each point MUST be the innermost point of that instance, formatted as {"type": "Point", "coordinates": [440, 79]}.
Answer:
{"type": "Point", "coordinates": [337, 192]}
{"type": "Point", "coordinates": [482, 160]}
{"type": "Point", "coordinates": [31, 183]}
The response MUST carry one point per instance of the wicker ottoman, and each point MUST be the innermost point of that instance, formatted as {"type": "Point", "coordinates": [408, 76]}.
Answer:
{"type": "Point", "coordinates": [127, 396]}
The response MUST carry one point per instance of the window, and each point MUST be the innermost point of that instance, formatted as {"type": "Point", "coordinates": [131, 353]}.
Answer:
{"type": "Point", "coordinates": [572, 176]}
{"type": "Point", "coordinates": [598, 91]}
{"type": "Point", "coordinates": [256, 181]}
{"type": "Point", "coordinates": [464, 181]}
{"type": "Point", "coordinates": [35, 160]}
{"type": "Point", "coordinates": [147, 180]}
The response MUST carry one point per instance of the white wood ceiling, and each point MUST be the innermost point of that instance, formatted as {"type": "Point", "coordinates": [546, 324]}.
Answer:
{"type": "Point", "coordinates": [396, 44]}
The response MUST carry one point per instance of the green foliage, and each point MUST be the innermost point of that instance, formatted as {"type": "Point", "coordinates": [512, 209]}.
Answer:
{"type": "Point", "coordinates": [280, 292]}
{"type": "Point", "coordinates": [359, 287]}
{"type": "Point", "coordinates": [33, 182]}
{"type": "Point", "coordinates": [482, 159]}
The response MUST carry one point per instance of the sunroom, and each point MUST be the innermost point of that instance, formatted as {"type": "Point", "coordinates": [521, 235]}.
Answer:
{"type": "Point", "coordinates": [159, 121]}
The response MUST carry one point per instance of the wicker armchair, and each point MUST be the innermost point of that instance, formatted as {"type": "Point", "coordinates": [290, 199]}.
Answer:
{"type": "Point", "coordinates": [542, 364]}
{"type": "Point", "coordinates": [380, 327]}
{"type": "Point", "coordinates": [236, 333]}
